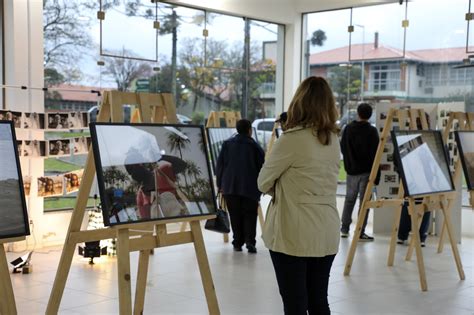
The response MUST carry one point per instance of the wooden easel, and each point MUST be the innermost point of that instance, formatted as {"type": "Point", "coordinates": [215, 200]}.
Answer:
{"type": "Point", "coordinates": [7, 298]}
{"type": "Point", "coordinates": [404, 117]}
{"type": "Point", "coordinates": [131, 237]}
{"type": "Point", "coordinates": [466, 122]}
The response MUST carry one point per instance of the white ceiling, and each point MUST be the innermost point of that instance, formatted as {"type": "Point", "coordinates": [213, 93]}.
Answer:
{"type": "Point", "coordinates": [280, 11]}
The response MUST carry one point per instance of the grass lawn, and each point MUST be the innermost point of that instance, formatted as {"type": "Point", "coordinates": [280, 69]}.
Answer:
{"type": "Point", "coordinates": [63, 203]}
{"type": "Point", "coordinates": [59, 166]}
{"type": "Point", "coordinates": [342, 172]}
{"type": "Point", "coordinates": [60, 135]}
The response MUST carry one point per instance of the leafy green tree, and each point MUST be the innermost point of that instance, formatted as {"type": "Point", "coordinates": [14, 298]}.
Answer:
{"type": "Point", "coordinates": [125, 71]}
{"type": "Point", "coordinates": [345, 83]}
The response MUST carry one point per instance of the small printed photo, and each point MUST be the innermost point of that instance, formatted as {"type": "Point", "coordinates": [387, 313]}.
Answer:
{"type": "Point", "coordinates": [381, 129]}
{"type": "Point", "coordinates": [393, 190]}
{"type": "Point", "coordinates": [450, 137]}
{"type": "Point", "coordinates": [50, 186]}
{"type": "Point", "coordinates": [27, 185]}
{"type": "Point", "coordinates": [395, 119]}
{"type": "Point", "coordinates": [11, 116]}
{"type": "Point", "coordinates": [33, 121]}
{"type": "Point", "coordinates": [386, 149]}
{"type": "Point", "coordinates": [450, 146]}
{"type": "Point", "coordinates": [390, 157]}
{"type": "Point", "coordinates": [456, 125]}
{"type": "Point", "coordinates": [73, 181]}
{"type": "Point", "coordinates": [34, 148]}
{"type": "Point", "coordinates": [385, 167]}
{"type": "Point", "coordinates": [58, 120]}
{"type": "Point", "coordinates": [455, 151]}
{"type": "Point", "coordinates": [390, 178]}
{"type": "Point", "coordinates": [59, 147]}
{"type": "Point", "coordinates": [78, 120]}
{"type": "Point", "coordinates": [383, 116]}
{"type": "Point", "coordinates": [81, 145]}
{"type": "Point", "coordinates": [19, 145]}
{"type": "Point", "coordinates": [445, 122]}
{"type": "Point", "coordinates": [442, 113]}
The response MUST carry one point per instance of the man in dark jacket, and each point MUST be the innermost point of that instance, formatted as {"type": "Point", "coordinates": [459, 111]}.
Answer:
{"type": "Point", "coordinates": [358, 145]}
{"type": "Point", "coordinates": [238, 166]}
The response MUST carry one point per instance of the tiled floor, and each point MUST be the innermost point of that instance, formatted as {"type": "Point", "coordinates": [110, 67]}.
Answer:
{"type": "Point", "coordinates": [246, 283]}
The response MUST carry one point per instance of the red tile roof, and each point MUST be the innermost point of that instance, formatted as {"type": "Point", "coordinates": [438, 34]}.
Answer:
{"type": "Point", "coordinates": [77, 92]}
{"type": "Point", "coordinates": [368, 52]}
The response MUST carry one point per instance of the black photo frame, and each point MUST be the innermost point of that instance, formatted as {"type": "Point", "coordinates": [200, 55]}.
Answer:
{"type": "Point", "coordinates": [466, 152]}
{"type": "Point", "coordinates": [114, 200]}
{"type": "Point", "coordinates": [426, 148]}
{"type": "Point", "coordinates": [13, 211]}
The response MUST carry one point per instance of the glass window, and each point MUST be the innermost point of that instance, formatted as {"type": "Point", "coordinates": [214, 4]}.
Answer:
{"type": "Point", "coordinates": [266, 125]}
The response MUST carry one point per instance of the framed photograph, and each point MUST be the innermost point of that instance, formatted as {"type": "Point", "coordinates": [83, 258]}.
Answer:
{"type": "Point", "coordinates": [81, 145]}
{"type": "Point", "coordinates": [13, 212]}
{"type": "Point", "coordinates": [465, 144]}
{"type": "Point", "coordinates": [73, 181]}
{"type": "Point", "coordinates": [27, 185]}
{"type": "Point", "coordinates": [33, 121]}
{"type": "Point", "coordinates": [49, 186]}
{"type": "Point", "coordinates": [14, 117]}
{"type": "Point", "coordinates": [216, 137]}
{"type": "Point", "coordinates": [57, 120]}
{"type": "Point", "coordinates": [59, 147]}
{"type": "Point", "coordinates": [155, 171]}
{"type": "Point", "coordinates": [423, 162]}
{"type": "Point", "coordinates": [33, 148]}
{"type": "Point", "coordinates": [78, 120]}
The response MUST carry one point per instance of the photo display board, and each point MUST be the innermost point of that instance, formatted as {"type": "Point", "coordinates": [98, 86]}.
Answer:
{"type": "Point", "coordinates": [13, 213]}
{"type": "Point", "coordinates": [465, 144]}
{"type": "Point", "coordinates": [216, 137]}
{"type": "Point", "coordinates": [149, 172]}
{"type": "Point", "coordinates": [422, 161]}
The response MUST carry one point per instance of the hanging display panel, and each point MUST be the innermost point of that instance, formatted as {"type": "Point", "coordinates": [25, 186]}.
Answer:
{"type": "Point", "coordinates": [13, 214]}
{"type": "Point", "coordinates": [153, 172]}
{"type": "Point", "coordinates": [423, 162]}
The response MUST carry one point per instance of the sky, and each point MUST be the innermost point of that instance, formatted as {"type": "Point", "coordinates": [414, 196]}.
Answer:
{"type": "Point", "coordinates": [8, 167]}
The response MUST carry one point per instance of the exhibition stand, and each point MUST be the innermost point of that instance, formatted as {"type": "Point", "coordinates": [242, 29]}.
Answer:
{"type": "Point", "coordinates": [407, 119]}
{"type": "Point", "coordinates": [464, 122]}
{"type": "Point", "coordinates": [134, 236]}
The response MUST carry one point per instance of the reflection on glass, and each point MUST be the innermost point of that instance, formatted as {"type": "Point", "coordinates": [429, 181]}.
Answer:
{"type": "Point", "coordinates": [465, 143]}
{"type": "Point", "coordinates": [154, 172]}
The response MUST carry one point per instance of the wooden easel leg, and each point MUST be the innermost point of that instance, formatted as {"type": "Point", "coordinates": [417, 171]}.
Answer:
{"type": "Point", "coordinates": [355, 239]}
{"type": "Point", "coordinates": [261, 218]}
{"type": "Point", "coordinates": [441, 238]}
{"type": "Point", "coordinates": [123, 270]}
{"type": "Point", "coordinates": [7, 304]}
{"type": "Point", "coordinates": [454, 246]}
{"type": "Point", "coordinates": [411, 246]}
{"type": "Point", "coordinates": [61, 277]}
{"type": "Point", "coordinates": [225, 236]}
{"type": "Point", "coordinates": [204, 268]}
{"type": "Point", "coordinates": [393, 239]}
{"type": "Point", "coordinates": [142, 275]}
{"type": "Point", "coordinates": [416, 237]}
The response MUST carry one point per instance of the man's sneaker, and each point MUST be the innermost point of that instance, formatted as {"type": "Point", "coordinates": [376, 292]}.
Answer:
{"type": "Point", "coordinates": [344, 234]}
{"type": "Point", "coordinates": [365, 238]}
{"type": "Point", "coordinates": [402, 242]}
{"type": "Point", "coordinates": [237, 248]}
{"type": "Point", "coordinates": [252, 249]}
{"type": "Point", "coordinates": [422, 244]}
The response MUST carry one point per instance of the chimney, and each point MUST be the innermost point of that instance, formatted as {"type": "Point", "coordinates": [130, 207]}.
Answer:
{"type": "Point", "coordinates": [376, 40]}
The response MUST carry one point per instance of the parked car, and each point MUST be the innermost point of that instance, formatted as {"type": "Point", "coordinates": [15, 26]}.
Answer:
{"type": "Point", "coordinates": [263, 128]}
{"type": "Point", "coordinates": [184, 119]}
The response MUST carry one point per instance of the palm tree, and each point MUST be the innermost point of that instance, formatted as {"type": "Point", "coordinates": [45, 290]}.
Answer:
{"type": "Point", "coordinates": [193, 170]}
{"type": "Point", "coordinates": [177, 143]}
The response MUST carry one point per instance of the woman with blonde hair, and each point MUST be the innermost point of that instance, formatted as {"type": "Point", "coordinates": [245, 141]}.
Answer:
{"type": "Point", "coordinates": [302, 225]}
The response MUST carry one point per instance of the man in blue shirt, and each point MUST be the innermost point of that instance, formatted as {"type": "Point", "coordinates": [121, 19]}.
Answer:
{"type": "Point", "coordinates": [238, 166]}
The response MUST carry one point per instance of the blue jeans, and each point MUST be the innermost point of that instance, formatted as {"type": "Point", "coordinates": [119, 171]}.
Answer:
{"type": "Point", "coordinates": [355, 186]}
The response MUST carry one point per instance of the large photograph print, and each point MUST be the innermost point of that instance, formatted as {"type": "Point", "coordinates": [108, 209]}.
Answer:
{"type": "Point", "coordinates": [422, 160]}
{"type": "Point", "coordinates": [13, 214]}
{"type": "Point", "coordinates": [152, 172]}
{"type": "Point", "coordinates": [216, 137]}
{"type": "Point", "coordinates": [465, 142]}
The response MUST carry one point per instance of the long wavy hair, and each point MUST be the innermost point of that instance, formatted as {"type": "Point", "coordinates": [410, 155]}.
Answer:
{"type": "Point", "coordinates": [313, 106]}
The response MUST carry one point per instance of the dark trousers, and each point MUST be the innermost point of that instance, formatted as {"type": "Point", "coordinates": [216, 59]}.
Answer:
{"type": "Point", "coordinates": [405, 224]}
{"type": "Point", "coordinates": [355, 186]}
{"type": "Point", "coordinates": [303, 283]}
{"type": "Point", "coordinates": [243, 219]}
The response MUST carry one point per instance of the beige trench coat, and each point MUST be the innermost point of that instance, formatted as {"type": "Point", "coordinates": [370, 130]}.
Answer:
{"type": "Point", "coordinates": [301, 174]}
